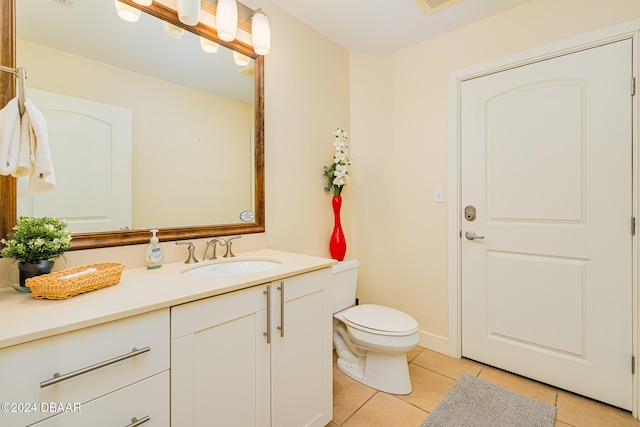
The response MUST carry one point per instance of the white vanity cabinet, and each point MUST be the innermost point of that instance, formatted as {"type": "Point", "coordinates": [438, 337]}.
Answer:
{"type": "Point", "coordinates": [87, 377]}
{"type": "Point", "coordinates": [301, 354]}
{"type": "Point", "coordinates": [220, 361]}
{"type": "Point", "coordinates": [255, 357]}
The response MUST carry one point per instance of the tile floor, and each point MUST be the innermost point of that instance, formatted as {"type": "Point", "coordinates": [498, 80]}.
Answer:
{"type": "Point", "coordinates": [434, 374]}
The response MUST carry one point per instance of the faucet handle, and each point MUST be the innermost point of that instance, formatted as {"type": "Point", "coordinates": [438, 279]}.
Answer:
{"type": "Point", "coordinates": [191, 248]}
{"type": "Point", "coordinates": [229, 253]}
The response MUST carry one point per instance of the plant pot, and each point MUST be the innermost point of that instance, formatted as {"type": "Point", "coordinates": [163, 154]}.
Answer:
{"type": "Point", "coordinates": [20, 271]}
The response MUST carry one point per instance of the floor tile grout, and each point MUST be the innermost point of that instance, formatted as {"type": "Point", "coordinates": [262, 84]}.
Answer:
{"type": "Point", "coordinates": [581, 410]}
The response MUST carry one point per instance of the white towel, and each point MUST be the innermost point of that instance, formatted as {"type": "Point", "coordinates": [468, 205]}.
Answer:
{"type": "Point", "coordinates": [9, 137]}
{"type": "Point", "coordinates": [42, 177]}
{"type": "Point", "coordinates": [24, 146]}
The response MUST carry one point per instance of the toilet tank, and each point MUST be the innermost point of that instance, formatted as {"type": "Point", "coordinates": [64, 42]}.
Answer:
{"type": "Point", "coordinates": [345, 280]}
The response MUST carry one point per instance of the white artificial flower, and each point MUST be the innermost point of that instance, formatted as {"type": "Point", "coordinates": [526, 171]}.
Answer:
{"type": "Point", "coordinates": [338, 173]}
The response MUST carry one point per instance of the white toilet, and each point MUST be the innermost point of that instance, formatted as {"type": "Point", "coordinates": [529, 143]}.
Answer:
{"type": "Point", "coordinates": [371, 341]}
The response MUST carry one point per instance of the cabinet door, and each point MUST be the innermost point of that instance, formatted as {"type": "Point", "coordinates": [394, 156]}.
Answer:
{"type": "Point", "coordinates": [220, 373]}
{"type": "Point", "coordinates": [302, 359]}
{"type": "Point", "coordinates": [147, 401]}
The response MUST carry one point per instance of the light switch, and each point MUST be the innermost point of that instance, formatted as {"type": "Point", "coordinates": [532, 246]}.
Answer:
{"type": "Point", "coordinates": [438, 195]}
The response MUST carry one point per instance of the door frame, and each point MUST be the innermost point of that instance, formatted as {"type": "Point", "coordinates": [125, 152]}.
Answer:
{"type": "Point", "coordinates": [630, 29]}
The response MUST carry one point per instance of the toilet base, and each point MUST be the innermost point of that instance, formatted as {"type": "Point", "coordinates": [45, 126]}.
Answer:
{"type": "Point", "coordinates": [382, 371]}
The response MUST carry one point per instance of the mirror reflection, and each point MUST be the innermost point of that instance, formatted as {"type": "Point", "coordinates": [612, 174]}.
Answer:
{"type": "Point", "coordinates": [146, 131]}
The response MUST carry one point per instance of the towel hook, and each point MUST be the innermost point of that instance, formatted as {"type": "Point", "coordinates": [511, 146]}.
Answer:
{"type": "Point", "coordinates": [21, 75]}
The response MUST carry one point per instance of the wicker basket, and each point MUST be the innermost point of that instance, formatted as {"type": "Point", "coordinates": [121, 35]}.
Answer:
{"type": "Point", "coordinates": [72, 281]}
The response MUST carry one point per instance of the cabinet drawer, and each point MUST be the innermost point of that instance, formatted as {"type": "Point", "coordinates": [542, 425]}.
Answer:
{"type": "Point", "coordinates": [101, 356]}
{"type": "Point", "coordinates": [303, 284]}
{"type": "Point", "coordinates": [147, 401]}
{"type": "Point", "coordinates": [198, 315]}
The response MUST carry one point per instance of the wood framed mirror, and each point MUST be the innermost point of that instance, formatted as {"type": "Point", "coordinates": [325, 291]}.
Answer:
{"type": "Point", "coordinates": [249, 220]}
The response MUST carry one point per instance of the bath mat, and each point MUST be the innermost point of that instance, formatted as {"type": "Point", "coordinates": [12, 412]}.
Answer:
{"type": "Point", "coordinates": [473, 402]}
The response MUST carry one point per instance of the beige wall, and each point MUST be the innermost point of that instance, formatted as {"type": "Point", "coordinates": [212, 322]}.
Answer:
{"type": "Point", "coordinates": [307, 98]}
{"type": "Point", "coordinates": [399, 122]}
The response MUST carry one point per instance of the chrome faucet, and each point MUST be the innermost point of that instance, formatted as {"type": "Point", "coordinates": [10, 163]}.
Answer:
{"type": "Point", "coordinates": [191, 248]}
{"type": "Point", "coordinates": [213, 242]}
{"type": "Point", "coordinates": [229, 253]}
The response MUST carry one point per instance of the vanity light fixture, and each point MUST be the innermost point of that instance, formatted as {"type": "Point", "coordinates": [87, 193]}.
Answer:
{"type": "Point", "coordinates": [172, 31]}
{"type": "Point", "coordinates": [188, 11]}
{"type": "Point", "coordinates": [260, 32]}
{"type": "Point", "coordinates": [240, 59]}
{"type": "Point", "coordinates": [227, 19]}
{"type": "Point", "coordinates": [208, 46]}
{"type": "Point", "coordinates": [126, 12]}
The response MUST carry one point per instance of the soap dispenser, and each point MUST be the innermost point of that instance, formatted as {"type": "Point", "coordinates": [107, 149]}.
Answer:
{"type": "Point", "coordinates": [153, 254]}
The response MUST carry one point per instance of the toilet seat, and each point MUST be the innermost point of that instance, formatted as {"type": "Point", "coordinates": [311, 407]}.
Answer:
{"type": "Point", "coordinates": [390, 344]}
{"type": "Point", "coordinates": [379, 320]}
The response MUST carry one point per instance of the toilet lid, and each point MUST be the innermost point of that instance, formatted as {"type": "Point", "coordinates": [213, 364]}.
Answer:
{"type": "Point", "coordinates": [379, 318]}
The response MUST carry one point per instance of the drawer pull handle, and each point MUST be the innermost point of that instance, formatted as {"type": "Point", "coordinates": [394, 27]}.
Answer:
{"type": "Point", "coordinates": [281, 327]}
{"type": "Point", "coordinates": [268, 333]}
{"type": "Point", "coordinates": [58, 378]}
{"type": "Point", "coordinates": [136, 422]}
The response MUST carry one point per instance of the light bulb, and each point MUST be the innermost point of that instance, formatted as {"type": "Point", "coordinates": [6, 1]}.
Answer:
{"type": "Point", "coordinates": [189, 11]}
{"type": "Point", "coordinates": [208, 46]}
{"type": "Point", "coordinates": [227, 19]}
{"type": "Point", "coordinates": [260, 33]}
{"type": "Point", "coordinates": [172, 31]}
{"type": "Point", "coordinates": [240, 59]}
{"type": "Point", "coordinates": [126, 12]}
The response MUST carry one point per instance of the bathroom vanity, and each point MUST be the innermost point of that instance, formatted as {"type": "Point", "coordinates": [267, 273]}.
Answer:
{"type": "Point", "coordinates": [162, 348]}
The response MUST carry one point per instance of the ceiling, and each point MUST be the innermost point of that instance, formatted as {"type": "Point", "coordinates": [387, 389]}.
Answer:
{"type": "Point", "coordinates": [387, 25]}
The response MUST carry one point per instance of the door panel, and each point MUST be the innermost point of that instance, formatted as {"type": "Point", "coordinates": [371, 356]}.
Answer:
{"type": "Point", "coordinates": [546, 161]}
{"type": "Point", "coordinates": [529, 165]}
{"type": "Point", "coordinates": [102, 200]}
{"type": "Point", "coordinates": [539, 320]}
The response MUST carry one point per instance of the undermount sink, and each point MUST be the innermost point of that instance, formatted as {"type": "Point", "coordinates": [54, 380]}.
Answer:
{"type": "Point", "coordinates": [231, 268]}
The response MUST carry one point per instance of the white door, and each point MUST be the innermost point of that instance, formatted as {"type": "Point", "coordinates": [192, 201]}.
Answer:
{"type": "Point", "coordinates": [89, 140]}
{"type": "Point", "coordinates": [546, 163]}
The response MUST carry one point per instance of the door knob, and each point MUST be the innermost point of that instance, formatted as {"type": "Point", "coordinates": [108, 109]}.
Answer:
{"type": "Point", "coordinates": [471, 235]}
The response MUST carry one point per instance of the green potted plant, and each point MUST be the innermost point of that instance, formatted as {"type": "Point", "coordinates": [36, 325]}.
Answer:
{"type": "Point", "coordinates": [35, 244]}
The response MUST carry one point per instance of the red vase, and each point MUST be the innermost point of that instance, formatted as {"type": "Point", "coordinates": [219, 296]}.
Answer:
{"type": "Point", "coordinates": [337, 243]}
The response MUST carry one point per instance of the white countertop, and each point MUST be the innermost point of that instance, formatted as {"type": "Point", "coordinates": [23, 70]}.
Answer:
{"type": "Point", "coordinates": [24, 318]}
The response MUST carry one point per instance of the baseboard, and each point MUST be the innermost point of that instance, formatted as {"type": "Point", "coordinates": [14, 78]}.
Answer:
{"type": "Point", "coordinates": [434, 342]}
